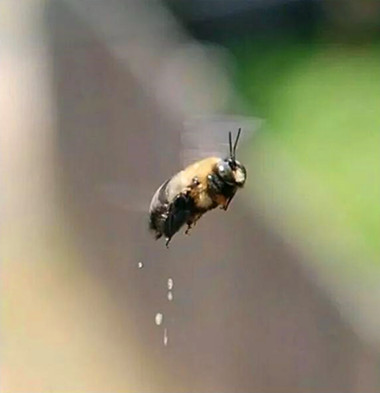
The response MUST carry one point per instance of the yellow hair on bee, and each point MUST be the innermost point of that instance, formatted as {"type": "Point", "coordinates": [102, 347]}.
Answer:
{"type": "Point", "coordinates": [194, 179]}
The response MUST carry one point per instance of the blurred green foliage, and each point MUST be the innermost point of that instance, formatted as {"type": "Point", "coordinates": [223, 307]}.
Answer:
{"type": "Point", "coordinates": [317, 163]}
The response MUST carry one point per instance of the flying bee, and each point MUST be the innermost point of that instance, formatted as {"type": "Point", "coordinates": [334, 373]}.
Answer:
{"type": "Point", "coordinates": [203, 139]}
{"type": "Point", "coordinates": [200, 187]}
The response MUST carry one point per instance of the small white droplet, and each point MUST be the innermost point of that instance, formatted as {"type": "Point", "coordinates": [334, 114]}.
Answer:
{"type": "Point", "coordinates": [170, 284]}
{"type": "Point", "coordinates": [166, 337]}
{"type": "Point", "coordinates": [140, 265]}
{"type": "Point", "coordinates": [159, 318]}
{"type": "Point", "coordinates": [170, 296]}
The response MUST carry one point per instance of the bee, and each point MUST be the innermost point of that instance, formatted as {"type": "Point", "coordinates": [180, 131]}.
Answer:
{"type": "Point", "coordinates": [200, 187]}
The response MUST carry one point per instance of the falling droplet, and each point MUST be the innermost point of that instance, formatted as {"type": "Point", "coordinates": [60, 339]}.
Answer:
{"type": "Point", "coordinates": [166, 337]}
{"type": "Point", "coordinates": [170, 284]}
{"type": "Point", "coordinates": [170, 296]}
{"type": "Point", "coordinates": [159, 318]}
{"type": "Point", "coordinates": [140, 265]}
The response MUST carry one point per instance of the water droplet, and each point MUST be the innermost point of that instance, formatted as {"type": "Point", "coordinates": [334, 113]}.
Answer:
{"type": "Point", "coordinates": [166, 337]}
{"type": "Point", "coordinates": [170, 284]}
{"type": "Point", "coordinates": [159, 318]}
{"type": "Point", "coordinates": [140, 265]}
{"type": "Point", "coordinates": [170, 296]}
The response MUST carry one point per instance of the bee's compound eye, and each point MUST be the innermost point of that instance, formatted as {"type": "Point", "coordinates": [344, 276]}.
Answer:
{"type": "Point", "coordinates": [224, 171]}
{"type": "Point", "coordinates": [221, 168]}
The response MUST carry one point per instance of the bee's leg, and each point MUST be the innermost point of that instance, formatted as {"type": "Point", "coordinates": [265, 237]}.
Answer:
{"type": "Point", "coordinates": [195, 182]}
{"type": "Point", "coordinates": [191, 223]}
{"type": "Point", "coordinates": [225, 206]}
{"type": "Point", "coordinates": [189, 226]}
{"type": "Point", "coordinates": [179, 214]}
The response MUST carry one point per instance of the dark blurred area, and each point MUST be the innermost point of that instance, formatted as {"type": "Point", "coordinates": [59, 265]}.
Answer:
{"type": "Point", "coordinates": [308, 20]}
{"type": "Point", "coordinates": [280, 293]}
{"type": "Point", "coordinates": [227, 21]}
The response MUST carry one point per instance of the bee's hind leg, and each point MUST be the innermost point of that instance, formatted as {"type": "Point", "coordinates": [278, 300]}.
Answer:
{"type": "Point", "coordinates": [191, 223]}
{"type": "Point", "coordinates": [179, 214]}
{"type": "Point", "coordinates": [189, 226]}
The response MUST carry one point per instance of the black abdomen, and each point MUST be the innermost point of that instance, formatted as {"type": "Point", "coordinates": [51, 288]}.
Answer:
{"type": "Point", "coordinates": [167, 218]}
{"type": "Point", "coordinates": [157, 220]}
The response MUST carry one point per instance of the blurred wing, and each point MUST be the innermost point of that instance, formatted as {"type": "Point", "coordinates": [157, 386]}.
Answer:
{"type": "Point", "coordinates": [206, 136]}
{"type": "Point", "coordinates": [200, 137]}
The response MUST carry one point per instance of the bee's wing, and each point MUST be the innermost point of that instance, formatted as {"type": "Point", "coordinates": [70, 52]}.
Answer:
{"type": "Point", "coordinates": [206, 136]}
{"type": "Point", "coordinates": [201, 137]}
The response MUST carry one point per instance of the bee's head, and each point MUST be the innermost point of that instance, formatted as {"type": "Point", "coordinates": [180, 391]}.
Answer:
{"type": "Point", "coordinates": [230, 170]}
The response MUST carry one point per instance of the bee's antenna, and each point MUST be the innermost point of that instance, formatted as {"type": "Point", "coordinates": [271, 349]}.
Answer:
{"type": "Point", "coordinates": [230, 141]}
{"type": "Point", "coordinates": [236, 142]}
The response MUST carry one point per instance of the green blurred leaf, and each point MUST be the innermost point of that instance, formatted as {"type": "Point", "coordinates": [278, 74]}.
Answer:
{"type": "Point", "coordinates": [317, 167]}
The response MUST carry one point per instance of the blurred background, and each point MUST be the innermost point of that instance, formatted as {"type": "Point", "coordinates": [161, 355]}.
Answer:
{"type": "Point", "coordinates": [279, 294]}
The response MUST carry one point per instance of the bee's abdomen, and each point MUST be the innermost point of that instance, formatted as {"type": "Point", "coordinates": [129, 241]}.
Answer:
{"type": "Point", "coordinates": [158, 210]}
{"type": "Point", "coordinates": [166, 217]}
{"type": "Point", "coordinates": [157, 219]}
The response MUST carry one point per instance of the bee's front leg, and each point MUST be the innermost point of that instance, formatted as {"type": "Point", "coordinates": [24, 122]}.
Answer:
{"type": "Point", "coordinates": [224, 206]}
{"type": "Point", "coordinates": [227, 203]}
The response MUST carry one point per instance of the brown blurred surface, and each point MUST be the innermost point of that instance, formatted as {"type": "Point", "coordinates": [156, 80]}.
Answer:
{"type": "Point", "coordinates": [80, 315]}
